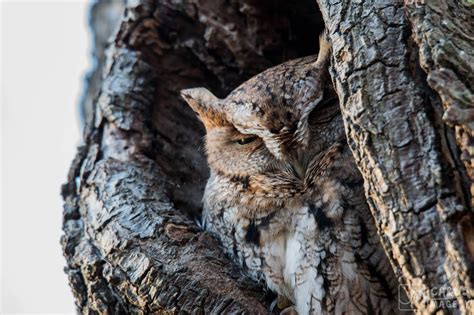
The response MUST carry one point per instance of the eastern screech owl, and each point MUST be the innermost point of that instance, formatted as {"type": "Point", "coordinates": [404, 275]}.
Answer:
{"type": "Point", "coordinates": [284, 195]}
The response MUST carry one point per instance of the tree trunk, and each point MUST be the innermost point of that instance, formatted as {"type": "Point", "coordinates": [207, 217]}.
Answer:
{"type": "Point", "coordinates": [394, 66]}
{"type": "Point", "coordinates": [133, 194]}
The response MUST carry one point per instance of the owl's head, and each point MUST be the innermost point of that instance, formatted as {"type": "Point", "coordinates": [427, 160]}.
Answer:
{"type": "Point", "coordinates": [269, 122]}
{"type": "Point", "coordinates": [277, 120]}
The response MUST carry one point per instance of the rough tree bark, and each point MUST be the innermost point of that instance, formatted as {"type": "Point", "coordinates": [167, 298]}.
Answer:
{"type": "Point", "coordinates": [133, 193]}
{"type": "Point", "coordinates": [416, 185]}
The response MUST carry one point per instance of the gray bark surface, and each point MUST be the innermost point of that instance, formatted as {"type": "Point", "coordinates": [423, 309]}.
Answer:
{"type": "Point", "coordinates": [449, 64]}
{"type": "Point", "coordinates": [105, 16]}
{"type": "Point", "coordinates": [414, 177]}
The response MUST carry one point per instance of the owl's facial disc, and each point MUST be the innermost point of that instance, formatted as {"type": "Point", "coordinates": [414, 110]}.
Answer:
{"type": "Point", "coordinates": [283, 129]}
{"type": "Point", "coordinates": [229, 150]}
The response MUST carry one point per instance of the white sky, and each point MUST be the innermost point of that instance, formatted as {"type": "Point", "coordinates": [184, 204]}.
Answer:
{"type": "Point", "coordinates": [44, 54]}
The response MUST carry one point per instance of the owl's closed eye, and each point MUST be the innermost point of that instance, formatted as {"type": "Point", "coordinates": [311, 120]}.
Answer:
{"type": "Point", "coordinates": [229, 151]}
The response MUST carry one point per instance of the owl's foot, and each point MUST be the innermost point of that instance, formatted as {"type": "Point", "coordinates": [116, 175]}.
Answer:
{"type": "Point", "coordinates": [283, 305]}
{"type": "Point", "coordinates": [283, 302]}
{"type": "Point", "coordinates": [289, 311]}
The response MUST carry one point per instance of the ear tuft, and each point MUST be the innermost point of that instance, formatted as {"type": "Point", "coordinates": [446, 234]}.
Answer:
{"type": "Point", "coordinates": [206, 105]}
{"type": "Point", "coordinates": [198, 97]}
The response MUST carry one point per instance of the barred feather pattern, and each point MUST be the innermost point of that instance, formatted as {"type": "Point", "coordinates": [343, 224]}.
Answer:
{"type": "Point", "coordinates": [320, 250]}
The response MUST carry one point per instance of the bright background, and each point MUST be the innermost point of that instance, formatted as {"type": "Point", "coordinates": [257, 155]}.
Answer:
{"type": "Point", "coordinates": [44, 54]}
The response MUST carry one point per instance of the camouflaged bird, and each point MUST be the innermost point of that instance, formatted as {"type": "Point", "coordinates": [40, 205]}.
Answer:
{"type": "Point", "coordinates": [284, 195]}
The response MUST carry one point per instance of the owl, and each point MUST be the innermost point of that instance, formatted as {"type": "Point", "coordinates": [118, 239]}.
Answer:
{"type": "Point", "coordinates": [284, 195]}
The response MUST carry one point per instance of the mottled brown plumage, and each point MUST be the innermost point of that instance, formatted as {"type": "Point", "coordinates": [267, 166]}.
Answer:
{"type": "Point", "coordinates": [284, 195]}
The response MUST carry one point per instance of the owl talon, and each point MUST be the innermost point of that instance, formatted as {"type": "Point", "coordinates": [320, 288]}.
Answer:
{"type": "Point", "coordinates": [281, 304]}
{"type": "Point", "coordinates": [289, 311]}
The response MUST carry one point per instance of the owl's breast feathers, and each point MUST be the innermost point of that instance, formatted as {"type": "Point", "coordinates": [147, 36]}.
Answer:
{"type": "Point", "coordinates": [315, 244]}
{"type": "Point", "coordinates": [284, 183]}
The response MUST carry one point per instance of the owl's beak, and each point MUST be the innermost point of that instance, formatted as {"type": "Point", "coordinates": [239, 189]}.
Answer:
{"type": "Point", "coordinates": [299, 169]}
